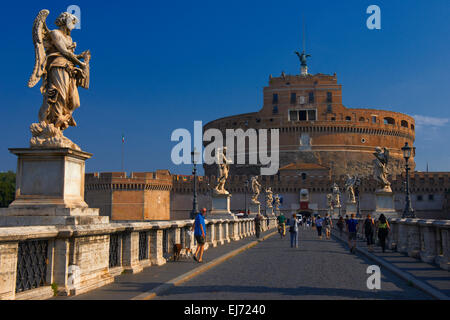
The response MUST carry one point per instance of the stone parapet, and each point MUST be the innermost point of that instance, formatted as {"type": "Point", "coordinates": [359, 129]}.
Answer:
{"type": "Point", "coordinates": [80, 258]}
{"type": "Point", "coordinates": [424, 239]}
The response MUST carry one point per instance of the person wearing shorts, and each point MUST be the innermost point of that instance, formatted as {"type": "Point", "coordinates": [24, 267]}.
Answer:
{"type": "Point", "coordinates": [199, 229]}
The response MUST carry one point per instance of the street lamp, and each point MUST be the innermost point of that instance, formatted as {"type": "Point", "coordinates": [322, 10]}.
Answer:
{"type": "Point", "coordinates": [408, 212]}
{"type": "Point", "coordinates": [357, 185]}
{"type": "Point", "coordinates": [194, 155]}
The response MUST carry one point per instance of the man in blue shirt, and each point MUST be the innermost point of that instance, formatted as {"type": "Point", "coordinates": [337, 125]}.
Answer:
{"type": "Point", "coordinates": [352, 224]}
{"type": "Point", "coordinates": [199, 229]}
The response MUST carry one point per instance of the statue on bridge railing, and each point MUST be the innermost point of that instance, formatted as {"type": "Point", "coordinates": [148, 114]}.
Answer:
{"type": "Point", "coordinates": [350, 188]}
{"type": "Point", "coordinates": [62, 72]}
{"type": "Point", "coordinates": [336, 196]}
{"type": "Point", "coordinates": [223, 164]}
{"type": "Point", "coordinates": [256, 188]}
{"type": "Point", "coordinates": [380, 171]}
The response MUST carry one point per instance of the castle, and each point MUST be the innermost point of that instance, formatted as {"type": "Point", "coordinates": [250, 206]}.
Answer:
{"type": "Point", "coordinates": [316, 128]}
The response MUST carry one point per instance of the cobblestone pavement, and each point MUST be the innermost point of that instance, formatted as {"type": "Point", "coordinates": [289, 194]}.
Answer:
{"type": "Point", "coordinates": [428, 273]}
{"type": "Point", "coordinates": [318, 269]}
{"type": "Point", "coordinates": [127, 286]}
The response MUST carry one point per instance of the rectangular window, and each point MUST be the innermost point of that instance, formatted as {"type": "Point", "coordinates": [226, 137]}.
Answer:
{"type": "Point", "coordinates": [293, 98]}
{"type": "Point", "coordinates": [329, 97]}
{"type": "Point", "coordinates": [275, 98]}
{"type": "Point", "coordinates": [311, 115]}
{"type": "Point", "coordinates": [293, 115]}
{"type": "Point", "coordinates": [329, 108]}
{"type": "Point", "coordinates": [302, 115]}
{"type": "Point", "coordinates": [374, 119]}
{"type": "Point", "coordinates": [275, 110]}
{"type": "Point", "coordinates": [311, 97]}
{"type": "Point", "coordinates": [431, 197]}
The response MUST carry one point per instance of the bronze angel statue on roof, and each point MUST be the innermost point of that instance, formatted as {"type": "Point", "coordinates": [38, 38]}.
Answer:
{"type": "Point", "coordinates": [62, 72]}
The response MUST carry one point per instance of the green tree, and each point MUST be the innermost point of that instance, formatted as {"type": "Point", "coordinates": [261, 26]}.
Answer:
{"type": "Point", "coordinates": [7, 188]}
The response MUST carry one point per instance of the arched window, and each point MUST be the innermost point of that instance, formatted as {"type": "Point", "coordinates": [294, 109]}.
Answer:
{"type": "Point", "coordinates": [303, 176]}
{"type": "Point", "coordinates": [404, 123]}
{"type": "Point", "coordinates": [389, 120]}
{"type": "Point", "coordinates": [412, 126]}
{"type": "Point", "coordinates": [347, 118]}
{"type": "Point", "coordinates": [362, 119]}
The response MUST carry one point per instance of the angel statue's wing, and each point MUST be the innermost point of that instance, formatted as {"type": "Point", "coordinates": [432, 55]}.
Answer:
{"type": "Point", "coordinates": [386, 155]}
{"type": "Point", "coordinates": [40, 31]}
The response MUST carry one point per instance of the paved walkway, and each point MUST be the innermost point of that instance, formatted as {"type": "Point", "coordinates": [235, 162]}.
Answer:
{"type": "Point", "coordinates": [128, 286]}
{"type": "Point", "coordinates": [318, 269]}
{"type": "Point", "coordinates": [429, 274]}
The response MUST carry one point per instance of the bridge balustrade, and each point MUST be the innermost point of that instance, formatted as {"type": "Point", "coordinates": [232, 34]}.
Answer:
{"type": "Point", "coordinates": [424, 239]}
{"type": "Point", "coordinates": [37, 262]}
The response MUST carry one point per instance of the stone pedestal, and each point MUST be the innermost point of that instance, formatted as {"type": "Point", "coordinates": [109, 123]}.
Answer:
{"type": "Point", "coordinates": [384, 202]}
{"type": "Point", "coordinates": [350, 208]}
{"type": "Point", "coordinates": [254, 208]}
{"type": "Point", "coordinates": [50, 189]}
{"type": "Point", "coordinates": [221, 207]}
{"type": "Point", "coordinates": [337, 211]}
{"type": "Point", "coordinates": [269, 212]}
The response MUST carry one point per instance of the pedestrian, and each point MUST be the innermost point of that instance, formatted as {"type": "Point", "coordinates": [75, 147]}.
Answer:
{"type": "Point", "coordinates": [340, 225]}
{"type": "Point", "coordinates": [258, 220]}
{"type": "Point", "coordinates": [327, 224]}
{"type": "Point", "coordinates": [369, 226]}
{"type": "Point", "coordinates": [293, 229]}
{"type": "Point", "coordinates": [199, 229]}
{"type": "Point", "coordinates": [383, 231]}
{"type": "Point", "coordinates": [319, 224]}
{"type": "Point", "coordinates": [352, 224]}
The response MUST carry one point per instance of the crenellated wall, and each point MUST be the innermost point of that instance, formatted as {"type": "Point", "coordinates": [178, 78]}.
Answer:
{"type": "Point", "coordinates": [140, 196]}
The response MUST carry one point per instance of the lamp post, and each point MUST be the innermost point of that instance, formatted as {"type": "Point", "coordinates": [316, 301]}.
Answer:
{"type": "Point", "coordinates": [357, 185]}
{"type": "Point", "coordinates": [408, 212]}
{"type": "Point", "coordinates": [194, 211]}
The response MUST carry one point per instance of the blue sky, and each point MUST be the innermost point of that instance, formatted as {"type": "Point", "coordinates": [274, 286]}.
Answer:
{"type": "Point", "coordinates": [158, 66]}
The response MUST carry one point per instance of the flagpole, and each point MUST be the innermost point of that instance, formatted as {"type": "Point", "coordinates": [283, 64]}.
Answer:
{"type": "Point", "coordinates": [123, 143]}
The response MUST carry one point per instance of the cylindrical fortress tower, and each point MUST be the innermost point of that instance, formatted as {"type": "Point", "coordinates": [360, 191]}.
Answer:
{"type": "Point", "coordinates": [315, 127]}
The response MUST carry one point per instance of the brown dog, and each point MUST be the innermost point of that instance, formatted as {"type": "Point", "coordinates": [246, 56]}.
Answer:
{"type": "Point", "coordinates": [178, 252]}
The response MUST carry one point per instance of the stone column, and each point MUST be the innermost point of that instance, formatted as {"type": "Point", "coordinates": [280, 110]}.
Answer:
{"type": "Point", "coordinates": [8, 268]}
{"type": "Point", "coordinates": [402, 245]}
{"type": "Point", "coordinates": [130, 260]}
{"type": "Point", "coordinates": [156, 247]}
{"type": "Point", "coordinates": [445, 259]}
{"type": "Point", "coordinates": [234, 225]}
{"type": "Point", "coordinates": [393, 235]}
{"type": "Point", "coordinates": [429, 252]}
{"type": "Point", "coordinates": [211, 232]}
{"type": "Point", "coordinates": [61, 267]}
{"type": "Point", "coordinates": [226, 230]}
{"type": "Point", "coordinates": [220, 239]}
{"type": "Point", "coordinates": [414, 245]}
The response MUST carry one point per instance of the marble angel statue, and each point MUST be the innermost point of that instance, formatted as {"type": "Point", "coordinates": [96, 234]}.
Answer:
{"type": "Point", "coordinates": [62, 72]}
{"type": "Point", "coordinates": [256, 188]}
{"type": "Point", "coordinates": [269, 198]}
{"type": "Point", "coordinates": [336, 196]}
{"type": "Point", "coordinates": [350, 188]}
{"type": "Point", "coordinates": [380, 171]}
{"type": "Point", "coordinates": [223, 169]}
